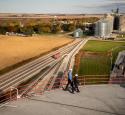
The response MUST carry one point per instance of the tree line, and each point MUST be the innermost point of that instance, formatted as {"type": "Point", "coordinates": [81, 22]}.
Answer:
{"type": "Point", "coordinates": [53, 26]}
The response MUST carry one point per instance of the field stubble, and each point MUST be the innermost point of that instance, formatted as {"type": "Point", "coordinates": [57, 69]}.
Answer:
{"type": "Point", "coordinates": [15, 49]}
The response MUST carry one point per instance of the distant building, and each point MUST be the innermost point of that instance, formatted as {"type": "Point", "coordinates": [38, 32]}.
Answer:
{"type": "Point", "coordinates": [78, 33]}
{"type": "Point", "coordinates": [104, 27]}
{"type": "Point", "coordinates": [116, 24]}
{"type": "Point", "coordinates": [122, 23]}
{"type": "Point", "coordinates": [119, 21]}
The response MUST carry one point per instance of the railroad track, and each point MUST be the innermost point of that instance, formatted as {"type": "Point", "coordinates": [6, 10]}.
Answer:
{"type": "Point", "coordinates": [68, 62]}
{"type": "Point", "coordinates": [29, 65]}
{"type": "Point", "coordinates": [29, 70]}
{"type": "Point", "coordinates": [57, 74]}
{"type": "Point", "coordinates": [40, 77]}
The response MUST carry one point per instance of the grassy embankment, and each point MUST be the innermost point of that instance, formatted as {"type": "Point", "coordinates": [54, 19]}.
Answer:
{"type": "Point", "coordinates": [94, 59]}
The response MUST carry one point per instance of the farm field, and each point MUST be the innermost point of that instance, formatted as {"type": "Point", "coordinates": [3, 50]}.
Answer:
{"type": "Point", "coordinates": [14, 49]}
{"type": "Point", "coordinates": [94, 65]}
{"type": "Point", "coordinates": [105, 47]}
{"type": "Point", "coordinates": [101, 46]}
{"type": "Point", "coordinates": [94, 59]}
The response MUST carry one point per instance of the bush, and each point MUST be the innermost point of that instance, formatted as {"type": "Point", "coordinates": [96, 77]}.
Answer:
{"type": "Point", "coordinates": [3, 29]}
{"type": "Point", "coordinates": [27, 30]}
{"type": "Point", "coordinates": [68, 27]}
{"type": "Point", "coordinates": [56, 28]}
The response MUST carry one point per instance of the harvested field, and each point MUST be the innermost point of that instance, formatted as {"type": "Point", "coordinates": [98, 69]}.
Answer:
{"type": "Point", "coordinates": [14, 49]}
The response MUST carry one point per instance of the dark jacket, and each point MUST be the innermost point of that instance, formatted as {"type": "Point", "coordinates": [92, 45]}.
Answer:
{"type": "Point", "coordinates": [75, 80]}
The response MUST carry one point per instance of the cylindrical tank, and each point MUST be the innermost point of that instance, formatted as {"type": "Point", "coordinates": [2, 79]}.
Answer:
{"type": "Point", "coordinates": [103, 28]}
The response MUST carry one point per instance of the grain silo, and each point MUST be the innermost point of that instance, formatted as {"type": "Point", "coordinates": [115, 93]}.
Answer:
{"type": "Point", "coordinates": [103, 28]}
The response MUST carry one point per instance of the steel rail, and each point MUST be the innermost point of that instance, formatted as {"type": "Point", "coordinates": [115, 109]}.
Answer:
{"type": "Point", "coordinates": [16, 71]}
{"type": "Point", "coordinates": [32, 66]}
{"type": "Point", "coordinates": [16, 80]}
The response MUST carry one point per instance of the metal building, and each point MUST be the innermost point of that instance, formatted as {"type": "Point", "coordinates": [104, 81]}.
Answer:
{"type": "Point", "coordinates": [119, 23]}
{"type": "Point", "coordinates": [103, 28]}
{"type": "Point", "coordinates": [78, 33]}
{"type": "Point", "coordinates": [122, 23]}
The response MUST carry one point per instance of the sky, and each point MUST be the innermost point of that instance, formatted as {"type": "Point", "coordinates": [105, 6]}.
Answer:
{"type": "Point", "coordinates": [61, 6]}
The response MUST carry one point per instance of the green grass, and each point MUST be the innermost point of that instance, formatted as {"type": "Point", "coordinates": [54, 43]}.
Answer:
{"type": "Point", "coordinates": [97, 65]}
{"type": "Point", "coordinates": [96, 61]}
{"type": "Point", "coordinates": [101, 46]}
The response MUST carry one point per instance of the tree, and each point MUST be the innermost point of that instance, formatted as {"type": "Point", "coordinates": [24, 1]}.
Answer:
{"type": "Point", "coordinates": [65, 27]}
{"type": "Point", "coordinates": [68, 27]}
{"type": "Point", "coordinates": [46, 28]}
{"type": "Point", "coordinates": [71, 27]}
{"type": "Point", "coordinates": [13, 28]}
{"type": "Point", "coordinates": [56, 28]}
{"type": "Point", "coordinates": [3, 29]}
{"type": "Point", "coordinates": [27, 30]}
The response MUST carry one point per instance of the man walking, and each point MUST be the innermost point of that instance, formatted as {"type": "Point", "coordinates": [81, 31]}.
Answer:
{"type": "Point", "coordinates": [70, 81]}
{"type": "Point", "coordinates": [76, 82]}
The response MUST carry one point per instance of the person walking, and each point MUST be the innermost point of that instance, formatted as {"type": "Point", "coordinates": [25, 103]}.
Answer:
{"type": "Point", "coordinates": [70, 81]}
{"type": "Point", "coordinates": [76, 82]}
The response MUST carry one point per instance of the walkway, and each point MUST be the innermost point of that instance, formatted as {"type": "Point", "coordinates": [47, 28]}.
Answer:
{"type": "Point", "coordinates": [92, 100]}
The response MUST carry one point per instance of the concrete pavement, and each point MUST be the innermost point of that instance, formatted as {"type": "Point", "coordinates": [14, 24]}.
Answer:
{"type": "Point", "coordinates": [92, 100]}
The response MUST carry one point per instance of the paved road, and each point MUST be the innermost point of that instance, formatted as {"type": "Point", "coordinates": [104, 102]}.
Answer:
{"type": "Point", "coordinates": [92, 100]}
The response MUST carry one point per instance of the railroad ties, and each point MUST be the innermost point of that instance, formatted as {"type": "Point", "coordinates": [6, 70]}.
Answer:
{"type": "Point", "coordinates": [31, 73]}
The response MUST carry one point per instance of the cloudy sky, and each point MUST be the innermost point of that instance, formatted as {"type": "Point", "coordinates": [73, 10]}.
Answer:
{"type": "Point", "coordinates": [60, 6]}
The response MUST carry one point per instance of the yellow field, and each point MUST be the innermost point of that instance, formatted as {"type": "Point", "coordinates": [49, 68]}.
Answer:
{"type": "Point", "coordinates": [15, 49]}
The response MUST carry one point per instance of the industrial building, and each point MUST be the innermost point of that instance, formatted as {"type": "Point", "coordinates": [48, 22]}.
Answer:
{"type": "Point", "coordinates": [104, 28]}
{"type": "Point", "coordinates": [122, 23]}
{"type": "Point", "coordinates": [119, 23]}
{"type": "Point", "coordinates": [78, 33]}
{"type": "Point", "coordinates": [116, 24]}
